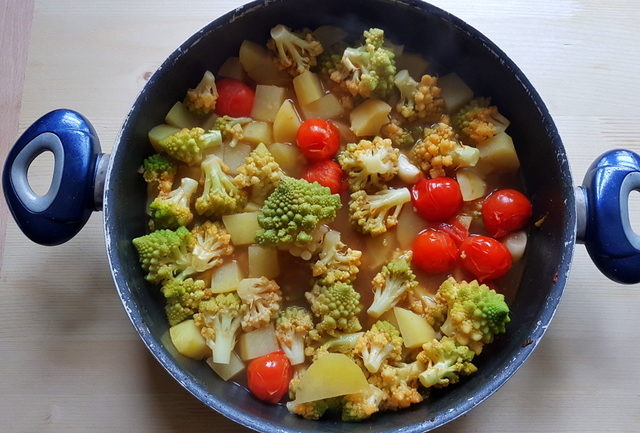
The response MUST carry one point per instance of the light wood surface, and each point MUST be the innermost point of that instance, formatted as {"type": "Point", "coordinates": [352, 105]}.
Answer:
{"type": "Point", "coordinates": [71, 362]}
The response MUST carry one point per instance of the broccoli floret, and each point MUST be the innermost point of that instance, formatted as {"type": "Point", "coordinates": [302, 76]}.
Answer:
{"type": "Point", "coordinates": [260, 172]}
{"type": "Point", "coordinates": [183, 298]}
{"type": "Point", "coordinates": [439, 150]}
{"type": "Point", "coordinates": [382, 343]}
{"type": "Point", "coordinates": [356, 407]}
{"type": "Point", "coordinates": [262, 297]}
{"type": "Point", "coordinates": [231, 128]}
{"type": "Point", "coordinates": [344, 344]}
{"type": "Point", "coordinates": [478, 121]}
{"type": "Point", "coordinates": [187, 145]}
{"type": "Point", "coordinates": [336, 262]}
{"type": "Point", "coordinates": [293, 52]}
{"type": "Point", "coordinates": [399, 382]}
{"type": "Point", "coordinates": [390, 284]}
{"type": "Point", "coordinates": [293, 211]}
{"type": "Point", "coordinates": [173, 210]}
{"type": "Point", "coordinates": [374, 214]}
{"type": "Point", "coordinates": [445, 362]}
{"type": "Point", "coordinates": [419, 100]}
{"type": "Point", "coordinates": [219, 320]}
{"type": "Point", "coordinates": [475, 314]}
{"type": "Point", "coordinates": [220, 195]}
{"type": "Point", "coordinates": [429, 307]}
{"type": "Point", "coordinates": [211, 243]}
{"type": "Point", "coordinates": [164, 253]}
{"type": "Point", "coordinates": [160, 170]}
{"type": "Point", "coordinates": [337, 306]}
{"type": "Point", "coordinates": [292, 326]}
{"type": "Point", "coordinates": [369, 164]}
{"type": "Point", "coordinates": [202, 99]}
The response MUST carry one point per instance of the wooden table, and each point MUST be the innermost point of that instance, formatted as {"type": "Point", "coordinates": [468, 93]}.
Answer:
{"type": "Point", "coordinates": [71, 362]}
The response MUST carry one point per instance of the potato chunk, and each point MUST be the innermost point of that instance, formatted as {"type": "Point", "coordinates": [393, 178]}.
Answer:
{"type": "Point", "coordinates": [226, 278]}
{"type": "Point", "coordinates": [234, 157]}
{"type": "Point", "coordinates": [258, 64]}
{"type": "Point", "coordinates": [368, 117]}
{"type": "Point", "coordinates": [307, 87]}
{"type": "Point", "coordinates": [286, 123]}
{"type": "Point", "coordinates": [263, 262]}
{"type": "Point", "coordinates": [187, 340]}
{"type": "Point", "coordinates": [288, 157]}
{"type": "Point", "coordinates": [257, 343]}
{"type": "Point", "coordinates": [415, 330]}
{"type": "Point", "coordinates": [455, 92]}
{"type": "Point", "coordinates": [471, 184]}
{"type": "Point", "coordinates": [257, 132]}
{"type": "Point", "coordinates": [242, 227]}
{"type": "Point", "coordinates": [414, 63]}
{"type": "Point", "coordinates": [227, 371]}
{"type": "Point", "coordinates": [267, 102]}
{"type": "Point", "coordinates": [327, 107]}
{"type": "Point", "coordinates": [498, 154]}
{"type": "Point", "coordinates": [231, 68]}
{"type": "Point", "coordinates": [180, 117]}
{"type": "Point", "coordinates": [160, 132]}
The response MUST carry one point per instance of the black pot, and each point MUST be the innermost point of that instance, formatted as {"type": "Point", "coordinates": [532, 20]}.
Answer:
{"type": "Point", "coordinates": [596, 212]}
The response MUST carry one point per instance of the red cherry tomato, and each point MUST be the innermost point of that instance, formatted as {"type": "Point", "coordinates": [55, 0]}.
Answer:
{"type": "Point", "coordinates": [268, 376]}
{"type": "Point", "coordinates": [436, 199]}
{"type": "Point", "coordinates": [505, 211]}
{"type": "Point", "coordinates": [456, 229]}
{"type": "Point", "coordinates": [434, 251]}
{"type": "Point", "coordinates": [318, 139]}
{"type": "Point", "coordinates": [485, 257]}
{"type": "Point", "coordinates": [235, 98]}
{"type": "Point", "coordinates": [327, 173]}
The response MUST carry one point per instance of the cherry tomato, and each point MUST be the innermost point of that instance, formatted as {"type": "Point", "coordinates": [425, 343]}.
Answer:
{"type": "Point", "coordinates": [456, 229]}
{"type": "Point", "coordinates": [436, 199]}
{"type": "Point", "coordinates": [235, 98]}
{"type": "Point", "coordinates": [318, 139]}
{"type": "Point", "coordinates": [327, 173]}
{"type": "Point", "coordinates": [434, 251]}
{"type": "Point", "coordinates": [505, 211]}
{"type": "Point", "coordinates": [485, 257]}
{"type": "Point", "coordinates": [268, 376]}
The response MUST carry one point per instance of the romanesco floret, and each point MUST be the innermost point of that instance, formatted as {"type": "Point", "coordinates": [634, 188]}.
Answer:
{"type": "Point", "coordinates": [478, 121]}
{"type": "Point", "coordinates": [427, 306]}
{"type": "Point", "coordinates": [399, 382]}
{"type": "Point", "coordinates": [390, 284]}
{"type": "Point", "coordinates": [202, 99]}
{"type": "Point", "coordinates": [337, 306]}
{"type": "Point", "coordinates": [369, 164]}
{"type": "Point", "coordinates": [445, 362]}
{"type": "Point", "coordinates": [475, 314]}
{"type": "Point", "coordinates": [380, 344]}
{"type": "Point", "coordinates": [220, 195]}
{"type": "Point", "coordinates": [159, 170]}
{"type": "Point", "coordinates": [336, 262]}
{"type": "Point", "coordinates": [231, 128]}
{"type": "Point", "coordinates": [183, 298]}
{"type": "Point", "coordinates": [344, 344]}
{"type": "Point", "coordinates": [356, 407]}
{"type": "Point", "coordinates": [401, 137]}
{"type": "Point", "coordinates": [262, 297]}
{"type": "Point", "coordinates": [260, 172]}
{"type": "Point", "coordinates": [187, 145]}
{"type": "Point", "coordinates": [211, 243]}
{"type": "Point", "coordinates": [419, 100]}
{"type": "Point", "coordinates": [164, 253]}
{"type": "Point", "coordinates": [219, 320]}
{"type": "Point", "coordinates": [172, 210]}
{"type": "Point", "coordinates": [311, 248]}
{"type": "Point", "coordinates": [439, 150]}
{"type": "Point", "coordinates": [293, 211]}
{"type": "Point", "coordinates": [292, 326]}
{"type": "Point", "coordinates": [373, 214]}
{"type": "Point", "coordinates": [294, 52]}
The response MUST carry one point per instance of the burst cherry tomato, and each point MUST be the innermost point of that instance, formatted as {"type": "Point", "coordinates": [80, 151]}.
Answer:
{"type": "Point", "coordinates": [505, 211]}
{"type": "Point", "coordinates": [268, 376]}
{"type": "Point", "coordinates": [436, 199]}
{"type": "Point", "coordinates": [235, 98]}
{"type": "Point", "coordinates": [327, 173]}
{"type": "Point", "coordinates": [318, 139]}
{"type": "Point", "coordinates": [456, 229]}
{"type": "Point", "coordinates": [485, 257]}
{"type": "Point", "coordinates": [434, 251]}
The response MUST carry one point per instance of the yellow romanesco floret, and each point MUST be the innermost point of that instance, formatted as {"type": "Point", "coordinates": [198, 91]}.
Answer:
{"type": "Point", "coordinates": [202, 99]}
{"type": "Point", "coordinates": [369, 164]}
{"type": "Point", "coordinates": [428, 306]}
{"type": "Point", "coordinates": [400, 137]}
{"type": "Point", "coordinates": [379, 345]}
{"type": "Point", "coordinates": [294, 52]}
{"type": "Point", "coordinates": [400, 384]}
{"type": "Point", "coordinates": [419, 101]}
{"type": "Point", "coordinates": [356, 407]}
{"type": "Point", "coordinates": [445, 361]}
{"type": "Point", "coordinates": [375, 213]}
{"type": "Point", "coordinates": [211, 244]}
{"type": "Point", "coordinates": [260, 172]}
{"type": "Point", "coordinates": [478, 121]}
{"type": "Point", "coordinates": [220, 195]}
{"type": "Point", "coordinates": [172, 210]}
{"type": "Point", "coordinates": [262, 298]}
{"type": "Point", "coordinates": [336, 262]}
{"type": "Point", "coordinates": [231, 128]}
{"type": "Point", "coordinates": [219, 321]}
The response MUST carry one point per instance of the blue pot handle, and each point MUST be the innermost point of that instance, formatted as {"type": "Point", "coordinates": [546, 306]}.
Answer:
{"type": "Point", "coordinates": [603, 215]}
{"type": "Point", "coordinates": [78, 177]}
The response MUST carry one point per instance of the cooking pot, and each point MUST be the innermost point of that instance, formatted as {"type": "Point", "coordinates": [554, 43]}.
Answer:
{"type": "Point", "coordinates": [85, 180]}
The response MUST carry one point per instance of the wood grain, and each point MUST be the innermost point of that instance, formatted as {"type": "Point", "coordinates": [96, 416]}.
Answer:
{"type": "Point", "coordinates": [71, 362]}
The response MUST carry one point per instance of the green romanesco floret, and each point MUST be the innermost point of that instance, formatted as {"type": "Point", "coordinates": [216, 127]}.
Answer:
{"type": "Point", "coordinates": [187, 145]}
{"type": "Point", "coordinates": [292, 327]}
{"type": "Point", "coordinates": [202, 99]}
{"type": "Point", "coordinates": [439, 150]}
{"type": "Point", "coordinates": [373, 214]}
{"type": "Point", "coordinates": [210, 245]}
{"type": "Point", "coordinates": [220, 195]}
{"type": "Point", "coordinates": [344, 344]}
{"type": "Point", "coordinates": [399, 382]}
{"type": "Point", "coordinates": [389, 285]}
{"type": "Point", "coordinates": [172, 210]}
{"type": "Point", "coordinates": [183, 298]}
{"type": "Point", "coordinates": [478, 121]}
{"type": "Point", "coordinates": [419, 101]}
{"type": "Point", "coordinates": [260, 172]}
{"type": "Point", "coordinates": [219, 320]}
{"type": "Point", "coordinates": [159, 170]}
{"type": "Point", "coordinates": [356, 407]}
{"type": "Point", "coordinates": [475, 314]}
{"type": "Point", "coordinates": [164, 253]}
{"type": "Point", "coordinates": [336, 262]}
{"type": "Point", "coordinates": [445, 361]}
{"type": "Point", "coordinates": [293, 52]}
{"type": "Point", "coordinates": [263, 298]}
{"type": "Point", "coordinates": [380, 344]}
{"type": "Point", "coordinates": [337, 306]}
{"type": "Point", "coordinates": [369, 164]}
{"type": "Point", "coordinates": [293, 211]}
{"type": "Point", "coordinates": [231, 128]}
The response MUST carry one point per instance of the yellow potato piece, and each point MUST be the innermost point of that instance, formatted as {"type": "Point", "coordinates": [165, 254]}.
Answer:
{"type": "Point", "coordinates": [267, 102]}
{"type": "Point", "coordinates": [414, 329]}
{"type": "Point", "coordinates": [180, 117]}
{"type": "Point", "coordinates": [187, 340]}
{"type": "Point", "coordinates": [414, 63]}
{"type": "Point", "coordinates": [257, 343]}
{"type": "Point", "coordinates": [263, 262]}
{"type": "Point", "coordinates": [286, 123]}
{"type": "Point", "coordinates": [242, 227]}
{"type": "Point", "coordinates": [455, 92]}
{"type": "Point", "coordinates": [226, 278]}
{"type": "Point", "coordinates": [288, 157]}
{"type": "Point", "coordinates": [231, 68]}
{"type": "Point", "coordinates": [160, 132]}
{"type": "Point", "coordinates": [307, 87]}
{"type": "Point", "coordinates": [471, 184]}
{"type": "Point", "coordinates": [227, 371]}
{"type": "Point", "coordinates": [368, 117]}
{"type": "Point", "coordinates": [327, 107]}
{"type": "Point", "coordinates": [257, 132]}
{"type": "Point", "coordinates": [498, 154]}
{"type": "Point", "coordinates": [257, 62]}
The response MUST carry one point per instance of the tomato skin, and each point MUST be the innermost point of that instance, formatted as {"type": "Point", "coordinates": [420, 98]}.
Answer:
{"type": "Point", "coordinates": [436, 199]}
{"type": "Point", "coordinates": [327, 173]}
{"type": "Point", "coordinates": [458, 231]}
{"type": "Point", "coordinates": [318, 139]}
{"type": "Point", "coordinates": [434, 251]}
{"type": "Point", "coordinates": [268, 376]}
{"type": "Point", "coordinates": [485, 257]}
{"type": "Point", "coordinates": [235, 98]}
{"type": "Point", "coordinates": [505, 211]}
